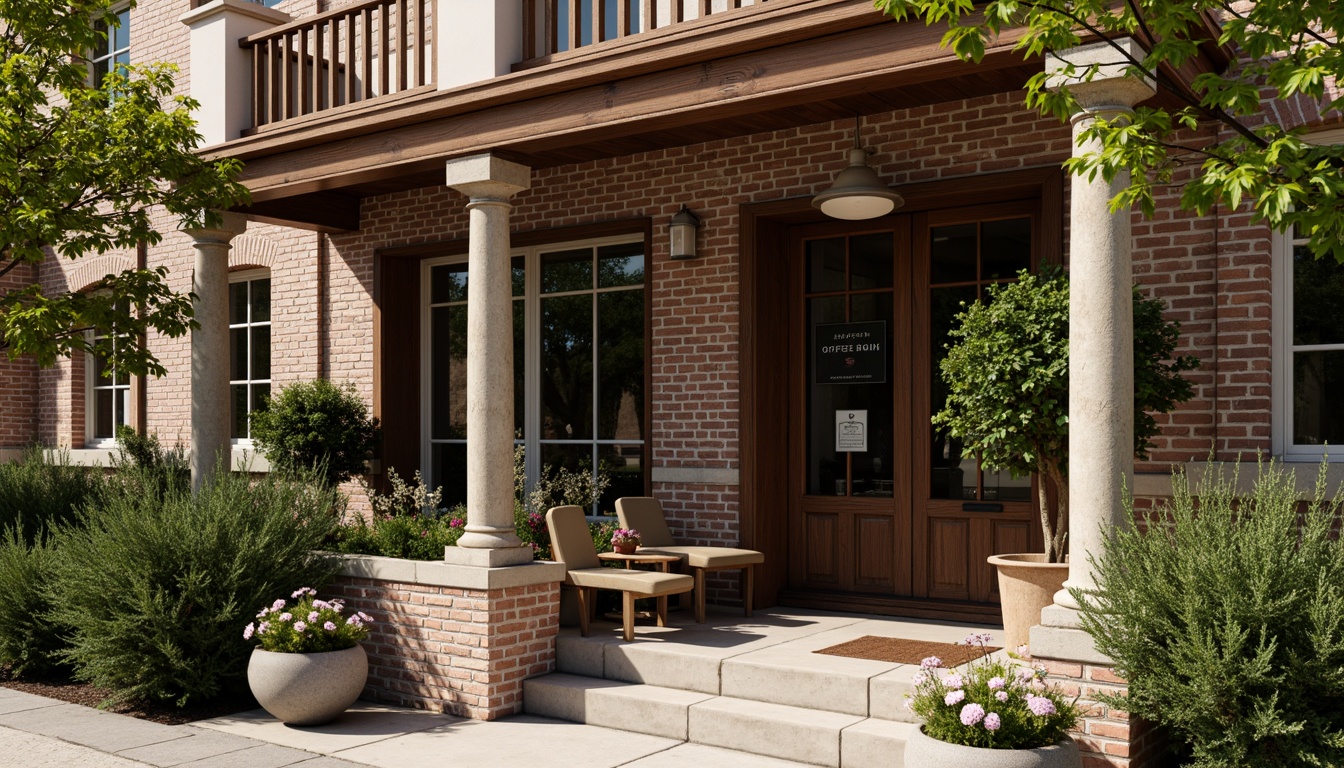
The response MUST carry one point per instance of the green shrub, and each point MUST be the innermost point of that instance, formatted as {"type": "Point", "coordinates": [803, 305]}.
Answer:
{"type": "Point", "coordinates": [413, 537]}
{"type": "Point", "coordinates": [30, 641]}
{"type": "Point", "coordinates": [1227, 619]}
{"type": "Point", "coordinates": [135, 450]}
{"type": "Point", "coordinates": [157, 586]}
{"type": "Point", "coordinates": [39, 491]}
{"type": "Point", "coordinates": [317, 426]}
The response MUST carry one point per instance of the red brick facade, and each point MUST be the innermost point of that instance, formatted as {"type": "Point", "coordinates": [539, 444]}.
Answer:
{"type": "Point", "coordinates": [1107, 737]}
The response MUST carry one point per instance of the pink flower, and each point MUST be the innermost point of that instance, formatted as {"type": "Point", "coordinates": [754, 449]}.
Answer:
{"type": "Point", "coordinates": [972, 714]}
{"type": "Point", "coordinates": [301, 591]}
{"type": "Point", "coordinates": [263, 627]}
{"type": "Point", "coordinates": [1023, 650]}
{"type": "Point", "coordinates": [355, 620]}
{"type": "Point", "coordinates": [995, 683]}
{"type": "Point", "coordinates": [286, 616]}
{"type": "Point", "coordinates": [1001, 695]}
{"type": "Point", "coordinates": [247, 632]}
{"type": "Point", "coordinates": [921, 677]}
{"type": "Point", "coordinates": [312, 616]}
{"type": "Point", "coordinates": [277, 605]}
{"type": "Point", "coordinates": [1040, 706]}
{"type": "Point", "coordinates": [932, 662]}
{"type": "Point", "coordinates": [992, 721]}
{"type": "Point", "coordinates": [954, 697]}
{"type": "Point", "coordinates": [329, 626]}
{"type": "Point", "coordinates": [953, 681]}
{"type": "Point", "coordinates": [299, 626]}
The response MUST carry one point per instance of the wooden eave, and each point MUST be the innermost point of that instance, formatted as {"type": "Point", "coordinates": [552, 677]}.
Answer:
{"type": "Point", "coordinates": [761, 68]}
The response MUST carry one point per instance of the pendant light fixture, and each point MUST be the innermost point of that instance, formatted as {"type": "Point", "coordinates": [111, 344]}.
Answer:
{"type": "Point", "coordinates": [858, 192]}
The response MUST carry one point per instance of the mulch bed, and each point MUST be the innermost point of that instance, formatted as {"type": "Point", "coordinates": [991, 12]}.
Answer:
{"type": "Point", "coordinates": [898, 650]}
{"type": "Point", "coordinates": [75, 692]}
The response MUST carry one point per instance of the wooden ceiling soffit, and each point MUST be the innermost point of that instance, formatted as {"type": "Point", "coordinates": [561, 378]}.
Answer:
{"type": "Point", "coordinates": [875, 58]}
{"type": "Point", "coordinates": [331, 212]}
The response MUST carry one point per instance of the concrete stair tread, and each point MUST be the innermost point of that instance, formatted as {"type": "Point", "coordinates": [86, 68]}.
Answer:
{"type": "Point", "coordinates": [648, 709]}
{"type": "Point", "coordinates": [774, 730]}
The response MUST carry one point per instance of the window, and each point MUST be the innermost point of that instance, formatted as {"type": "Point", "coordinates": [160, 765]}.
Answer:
{"type": "Point", "coordinates": [114, 50]}
{"type": "Point", "coordinates": [109, 399]}
{"type": "Point", "coordinates": [249, 348]}
{"type": "Point", "coordinates": [1308, 351]}
{"type": "Point", "coordinates": [579, 374]}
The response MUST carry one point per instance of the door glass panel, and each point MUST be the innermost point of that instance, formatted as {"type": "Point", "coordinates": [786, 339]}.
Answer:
{"type": "Point", "coordinates": [871, 470]}
{"type": "Point", "coordinates": [952, 254]}
{"type": "Point", "coordinates": [826, 266]}
{"type": "Point", "coordinates": [826, 470]}
{"type": "Point", "coordinates": [870, 261]}
{"type": "Point", "coordinates": [1002, 486]}
{"type": "Point", "coordinates": [951, 473]}
{"type": "Point", "coordinates": [1005, 248]}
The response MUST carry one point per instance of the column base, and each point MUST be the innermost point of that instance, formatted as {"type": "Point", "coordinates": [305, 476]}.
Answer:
{"type": "Point", "coordinates": [487, 558]}
{"type": "Point", "coordinates": [1064, 644]}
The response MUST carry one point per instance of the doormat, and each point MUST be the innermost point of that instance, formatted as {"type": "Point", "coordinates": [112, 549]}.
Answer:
{"type": "Point", "coordinates": [898, 650]}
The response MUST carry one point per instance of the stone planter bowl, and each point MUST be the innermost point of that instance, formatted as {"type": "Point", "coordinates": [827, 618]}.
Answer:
{"type": "Point", "coordinates": [307, 688]}
{"type": "Point", "coordinates": [921, 750]}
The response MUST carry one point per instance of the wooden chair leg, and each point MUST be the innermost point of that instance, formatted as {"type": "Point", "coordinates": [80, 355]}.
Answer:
{"type": "Point", "coordinates": [700, 595]}
{"type": "Point", "coordinates": [583, 610]}
{"type": "Point", "coordinates": [662, 611]}
{"type": "Point", "coordinates": [748, 589]}
{"type": "Point", "coordinates": [628, 614]}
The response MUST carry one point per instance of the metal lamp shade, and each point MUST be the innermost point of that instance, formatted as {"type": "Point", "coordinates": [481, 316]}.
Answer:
{"type": "Point", "coordinates": [858, 192]}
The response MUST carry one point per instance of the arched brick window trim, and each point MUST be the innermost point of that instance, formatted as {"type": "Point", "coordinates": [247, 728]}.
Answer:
{"type": "Point", "coordinates": [252, 252]}
{"type": "Point", "coordinates": [91, 269]}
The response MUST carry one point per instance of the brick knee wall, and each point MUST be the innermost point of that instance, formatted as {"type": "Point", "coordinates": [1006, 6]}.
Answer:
{"type": "Point", "coordinates": [1107, 737]}
{"type": "Point", "coordinates": [461, 651]}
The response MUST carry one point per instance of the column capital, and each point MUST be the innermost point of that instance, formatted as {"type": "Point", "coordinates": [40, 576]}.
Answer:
{"type": "Point", "coordinates": [486, 176]}
{"type": "Point", "coordinates": [1111, 85]}
{"type": "Point", "coordinates": [231, 225]}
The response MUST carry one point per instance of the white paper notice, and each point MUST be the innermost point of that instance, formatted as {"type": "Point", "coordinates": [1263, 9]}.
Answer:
{"type": "Point", "coordinates": [851, 431]}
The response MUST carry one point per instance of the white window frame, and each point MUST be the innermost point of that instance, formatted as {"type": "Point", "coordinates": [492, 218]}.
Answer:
{"type": "Point", "coordinates": [91, 388]}
{"type": "Point", "coordinates": [247, 276]}
{"type": "Point", "coordinates": [1281, 341]}
{"type": "Point", "coordinates": [97, 63]}
{"type": "Point", "coordinates": [531, 299]}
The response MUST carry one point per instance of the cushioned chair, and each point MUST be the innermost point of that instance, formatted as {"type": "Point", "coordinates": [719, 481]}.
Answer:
{"type": "Point", "coordinates": [572, 545]}
{"type": "Point", "coordinates": [645, 514]}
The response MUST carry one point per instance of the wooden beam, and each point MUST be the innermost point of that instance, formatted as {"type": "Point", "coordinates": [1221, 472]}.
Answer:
{"type": "Point", "coordinates": [865, 60]}
{"type": "Point", "coordinates": [331, 212]}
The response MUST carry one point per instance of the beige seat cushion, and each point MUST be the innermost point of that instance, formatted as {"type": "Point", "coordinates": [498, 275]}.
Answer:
{"type": "Point", "coordinates": [709, 557]}
{"type": "Point", "coordinates": [644, 583]}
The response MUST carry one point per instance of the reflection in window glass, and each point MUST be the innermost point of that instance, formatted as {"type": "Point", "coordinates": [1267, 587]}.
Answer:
{"type": "Point", "coordinates": [826, 265]}
{"type": "Point", "coordinates": [589, 398]}
{"type": "Point", "coordinates": [249, 351]}
{"type": "Point", "coordinates": [952, 254]}
{"type": "Point", "coordinates": [1317, 373]}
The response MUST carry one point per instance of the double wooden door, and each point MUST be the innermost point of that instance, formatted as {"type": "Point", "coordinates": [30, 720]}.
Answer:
{"type": "Point", "coordinates": [882, 505]}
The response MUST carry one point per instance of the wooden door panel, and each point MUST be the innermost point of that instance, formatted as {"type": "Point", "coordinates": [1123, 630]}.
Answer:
{"type": "Point", "coordinates": [822, 532]}
{"type": "Point", "coordinates": [1008, 537]}
{"type": "Point", "coordinates": [948, 551]}
{"type": "Point", "coordinates": [874, 569]}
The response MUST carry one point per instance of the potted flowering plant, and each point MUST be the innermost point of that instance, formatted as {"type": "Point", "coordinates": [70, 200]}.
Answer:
{"type": "Point", "coordinates": [308, 666]}
{"type": "Point", "coordinates": [989, 714]}
{"type": "Point", "coordinates": [625, 541]}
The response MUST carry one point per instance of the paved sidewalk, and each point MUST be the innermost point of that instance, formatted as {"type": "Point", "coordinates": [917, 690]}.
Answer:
{"type": "Point", "coordinates": [37, 732]}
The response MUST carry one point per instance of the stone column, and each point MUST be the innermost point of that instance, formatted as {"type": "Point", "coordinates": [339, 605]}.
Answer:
{"type": "Point", "coordinates": [1101, 338]}
{"type": "Point", "coordinates": [210, 345]}
{"type": "Point", "coordinates": [490, 539]}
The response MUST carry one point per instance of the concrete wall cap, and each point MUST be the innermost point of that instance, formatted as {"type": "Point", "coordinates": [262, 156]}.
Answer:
{"type": "Point", "coordinates": [486, 171]}
{"type": "Point", "coordinates": [439, 574]}
{"type": "Point", "coordinates": [242, 7]}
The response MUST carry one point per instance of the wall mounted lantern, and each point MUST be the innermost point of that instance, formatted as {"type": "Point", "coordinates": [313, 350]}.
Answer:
{"type": "Point", "coordinates": [682, 228]}
{"type": "Point", "coordinates": [858, 192]}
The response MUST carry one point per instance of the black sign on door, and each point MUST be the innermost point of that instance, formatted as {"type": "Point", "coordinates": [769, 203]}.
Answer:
{"type": "Point", "coordinates": [850, 353]}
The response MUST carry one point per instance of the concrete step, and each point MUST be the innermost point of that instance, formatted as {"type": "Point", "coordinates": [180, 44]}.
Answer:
{"type": "Point", "coordinates": [800, 734]}
{"type": "Point", "coordinates": [648, 709]}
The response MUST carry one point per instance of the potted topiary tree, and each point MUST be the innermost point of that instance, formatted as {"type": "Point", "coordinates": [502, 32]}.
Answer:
{"type": "Point", "coordinates": [1007, 375]}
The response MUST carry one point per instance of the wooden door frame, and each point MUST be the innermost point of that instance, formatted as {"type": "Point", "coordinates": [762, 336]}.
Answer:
{"type": "Point", "coordinates": [763, 341]}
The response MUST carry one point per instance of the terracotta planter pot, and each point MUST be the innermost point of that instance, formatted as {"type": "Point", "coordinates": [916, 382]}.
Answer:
{"type": "Point", "coordinates": [625, 549]}
{"type": "Point", "coordinates": [1027, 583]}
{"type": "Point", "coordinates": [307, 688]}
{"type": "Point", "coordinates": [922, 750]}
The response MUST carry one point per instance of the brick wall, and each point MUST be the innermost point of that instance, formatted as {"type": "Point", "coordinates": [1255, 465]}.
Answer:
{"type": "Point", "coordinates": [461, 651]}
{"type": "Point", "coordinates": [1107, 737]}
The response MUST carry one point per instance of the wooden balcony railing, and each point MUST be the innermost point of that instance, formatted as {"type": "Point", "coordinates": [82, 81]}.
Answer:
{"type": "Point", "coordinates": [554, 26]}
{"type": "Point", "coordinates": [344, 56]}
